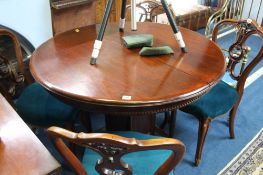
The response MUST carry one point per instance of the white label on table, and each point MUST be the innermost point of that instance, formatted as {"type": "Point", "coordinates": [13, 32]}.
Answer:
{"type": "Point", "coordinates": [126, 97]}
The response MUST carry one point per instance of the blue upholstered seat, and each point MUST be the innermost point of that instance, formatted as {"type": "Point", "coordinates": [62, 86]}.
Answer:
{"type": "Point", "coordinates": [38, 107]}
{"type": "Point", "coordinates": [219, 100]}
{"type": "Point", "coordinates": [143, 163]}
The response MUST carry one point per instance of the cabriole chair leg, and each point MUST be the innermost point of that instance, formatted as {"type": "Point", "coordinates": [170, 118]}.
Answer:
{"type": "Point", "coordinates": [172, 123]}
{"type": "Point", "coordinates": [86, 121]}
{"type": "Point", "coordinates": [232, 116]}
{"type": "Point", "coordinates": [166, 119]}
{"type": "Point", "coordinates": [202, 132]}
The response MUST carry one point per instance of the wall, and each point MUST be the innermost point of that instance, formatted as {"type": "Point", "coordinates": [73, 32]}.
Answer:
{"type": "Point", "coordinates": [31, 18]}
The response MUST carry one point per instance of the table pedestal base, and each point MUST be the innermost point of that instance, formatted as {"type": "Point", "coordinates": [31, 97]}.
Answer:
{"type": "Point", "coordinates": [144, 124]}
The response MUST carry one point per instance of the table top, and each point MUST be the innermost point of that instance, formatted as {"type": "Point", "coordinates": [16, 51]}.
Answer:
{"type": "Point", "coordinates": [62, 65]}
{"type": "Point", "coordinates": [20, 150]}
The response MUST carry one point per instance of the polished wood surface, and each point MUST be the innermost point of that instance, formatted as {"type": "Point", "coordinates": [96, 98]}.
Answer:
{"type": "Point", "coordinates": [20, 150]}
{"type": "Point", "coordinates": [167, 82]}
{"type": "Point", "coordinates": [111, 147]}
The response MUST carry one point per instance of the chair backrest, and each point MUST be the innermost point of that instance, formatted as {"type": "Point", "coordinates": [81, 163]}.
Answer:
{"type": "Point", "coordinates": [144, 9]}
{"type": "Point", "coordinates": [235, 9]}
{"type": "Point", "coordinates": [71, 14]}
{"type": "Point", "coordinates": [237, 52]}
{"type": "Point", "coordinates": [112, 148]}
{"type": "Point", "coordinates": [228, 9]}
{"type": "Point", "coordinates": [13, 76]}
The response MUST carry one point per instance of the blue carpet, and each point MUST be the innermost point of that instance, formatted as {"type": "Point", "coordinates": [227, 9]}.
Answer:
{"type": "Point", "coordinates": [218, 148]}
{"type": "Point", "coordinates": [201, 31]}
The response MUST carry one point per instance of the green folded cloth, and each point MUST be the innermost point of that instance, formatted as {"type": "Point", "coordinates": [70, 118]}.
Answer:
{"type": "Point", "coordinates": [152, 51]}
{"type": "Point", "coordinates": [135, 41]}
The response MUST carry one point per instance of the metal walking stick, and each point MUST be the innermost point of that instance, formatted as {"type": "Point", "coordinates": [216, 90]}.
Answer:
{"type": "Point", "coordinates": [177, 34]}
{"type": "Point", "coordinates": [98, 41]}
{"type": "Point", "coordinates": [123, 12]}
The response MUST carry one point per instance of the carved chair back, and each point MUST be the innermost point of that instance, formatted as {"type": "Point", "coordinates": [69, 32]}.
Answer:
{"type": "Point", "coordinates": [112, 148]}
{"type": "Point", "coordinates": [143, 9]}
{"type": "Point", "coordinates": [235, 9]}
{"type": "Point", "coordinates": [13, 76]}
{"type": "Point", "coordinates": [237, 52]}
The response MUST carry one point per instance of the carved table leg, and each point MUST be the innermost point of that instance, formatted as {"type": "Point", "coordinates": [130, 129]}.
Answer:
{"type": "Point", "coordinates": [117, 122]}
{"type": "Point", "coordinates": [172, 123]}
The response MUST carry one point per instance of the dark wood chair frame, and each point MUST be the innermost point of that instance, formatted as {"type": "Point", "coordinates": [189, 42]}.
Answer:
{"type": "Point", "coordinates": [245, 29]}
{"type": "Point", "coordinates": [112, 147]}
{"type": "Point", "coordinates": [14, 78]}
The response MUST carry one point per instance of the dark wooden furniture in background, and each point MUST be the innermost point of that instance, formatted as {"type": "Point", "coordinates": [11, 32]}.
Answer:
{"type": "Point", "coordinates": [20, 150]}
{"type": "Point", "coordinates": [199, 15]}
{"type": "Point", "coordinates": [123, 82]}
{"type": "Point", "coordinates": [113, 148]}
{"type": "Point", "coordinates": [71, 14]}
{"type": "Point", "coordinates": [192, 18]}
{"type": "Point", "coordinates": [115, 12]}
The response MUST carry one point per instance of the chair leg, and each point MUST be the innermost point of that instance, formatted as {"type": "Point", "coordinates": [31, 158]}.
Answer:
{"type": "Point", "coordinates": [71, 126]}
{"type": "Point", "coordinates": [172, 123]}
{"type": "Point", "coordinates": [232, 116]}
{"type": "Point", "coordinates": [166, 119]}
{"type": "Point", "coordinates": [202, 132]}
{"type": "Point", "coordinates": [153, 119]}
{"type": "Point", "coordinates": [85, 120]}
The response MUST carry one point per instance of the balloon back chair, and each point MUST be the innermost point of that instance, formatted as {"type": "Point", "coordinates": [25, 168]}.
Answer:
{"type": "Point", "coordinates": [33, 103]}
{"type": "Point", "coordinates": [124, 152]}
{"type": "Point", "coordinates": [224, 98]}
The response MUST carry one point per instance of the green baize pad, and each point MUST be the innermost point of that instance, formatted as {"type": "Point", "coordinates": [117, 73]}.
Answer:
{"type": "Point", "coordinates": [135, 41]}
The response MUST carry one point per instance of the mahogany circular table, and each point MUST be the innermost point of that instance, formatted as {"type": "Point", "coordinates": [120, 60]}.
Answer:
{"type": "Point", "coordinates": [122, 81]}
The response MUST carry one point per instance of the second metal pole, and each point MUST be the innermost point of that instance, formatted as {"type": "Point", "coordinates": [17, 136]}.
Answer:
{"type": "Point", "coordinates": [177, 33]}
{"type": "Point", "coordinates": [98, 41]}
